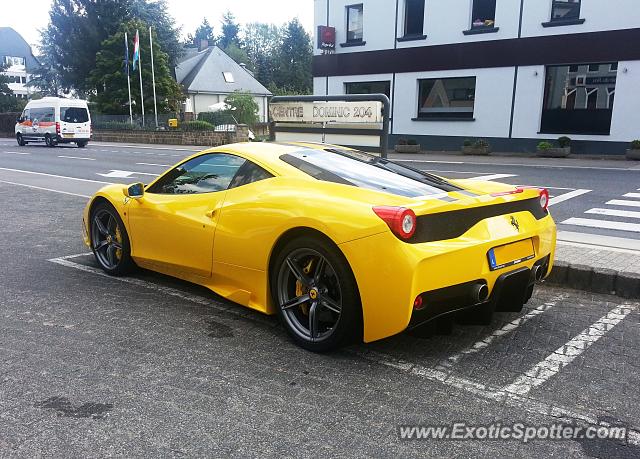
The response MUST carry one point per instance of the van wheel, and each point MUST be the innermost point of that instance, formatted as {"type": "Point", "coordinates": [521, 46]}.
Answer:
{"type": "Point", "coordinates": [49, 141]}
{"type": "Point", "coordinates": [81, 144]}
{"type": "Point", "coordinates": [20, 140]}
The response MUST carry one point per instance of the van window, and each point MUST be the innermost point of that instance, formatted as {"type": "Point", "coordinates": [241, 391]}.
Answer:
{"type": "Point", "coordinates": [74, 114]}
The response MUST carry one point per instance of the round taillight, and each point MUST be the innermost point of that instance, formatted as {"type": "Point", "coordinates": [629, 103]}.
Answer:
{"type": "Point", "coordinates": [401, 221]}
{"type": "Point", "coordinates": [544, 198]}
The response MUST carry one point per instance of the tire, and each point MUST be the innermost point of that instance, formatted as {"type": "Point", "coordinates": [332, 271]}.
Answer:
{"type": "Point", "coordinates": [81, 144]}
{"type": "Point", "coordinates": [20, 140]}
{"type": "Point", "coordinates": [330, 295]}
{"type": "Point", "coordinates": [49, 141]}
{"type": "Point", "coordinates": [110, 241]}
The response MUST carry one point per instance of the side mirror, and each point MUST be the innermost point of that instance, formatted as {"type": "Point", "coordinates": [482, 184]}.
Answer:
{"type": "Point", "coordinates": [135, 191]}
{"type": "Point", "coordinates": [19, 120]}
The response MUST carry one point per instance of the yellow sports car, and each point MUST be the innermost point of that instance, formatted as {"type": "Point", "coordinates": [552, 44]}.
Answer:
{"type": "Point", "coordinates": [341, 244]}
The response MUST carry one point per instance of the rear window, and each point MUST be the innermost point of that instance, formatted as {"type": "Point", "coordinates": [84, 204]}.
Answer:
{"type": "Point", "coordinates": [351, 167]}
{"type": "Point", "coordinates": [74, 114]}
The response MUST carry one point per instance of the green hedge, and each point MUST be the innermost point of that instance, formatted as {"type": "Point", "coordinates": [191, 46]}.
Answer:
{"type": "Point", "coordinates": [196, 126]}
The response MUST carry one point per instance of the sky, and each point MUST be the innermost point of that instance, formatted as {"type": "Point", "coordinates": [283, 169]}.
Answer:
{"type": "Point", "coordinates": [187, 13]}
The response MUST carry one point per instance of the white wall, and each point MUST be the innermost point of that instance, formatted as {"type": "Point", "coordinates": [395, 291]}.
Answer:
{"type": "Point", "coordinates": [598, 15]}
{"type": "Point", "coordinates": [491, 111]}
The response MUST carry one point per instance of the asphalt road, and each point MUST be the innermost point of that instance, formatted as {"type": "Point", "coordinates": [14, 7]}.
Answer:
{"type": "Point", "coordinates": [596, 198]}
{"type": "Point", "coordinates": [145, 365]}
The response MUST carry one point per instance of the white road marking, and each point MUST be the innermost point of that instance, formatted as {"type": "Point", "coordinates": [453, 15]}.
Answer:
{"type": "Point", "coordinates": [596, 241]}
{"type": "Point", "coordinates": [565, 354]}
{"type": "Point", "coordinates": [52, 175]}
{"type": "Point", "coordinates": [427, 161]}
{"type": "Point", "coordinates": [44, 189]}
{"type": "Point", "coordinates": [631, 195]}
{"type": "Point", "coordinates": [614, 213]}
{"type": "Point", "coordinates": [114, 173]}
{"type": "Point", "coordinates": [504, 330]}
{"type": "Point", "coordinates": [527, 403]}
{"type": "Point", "coordinates": [152, 164]}
{"type": "Point", "coordinates": [16, 153]}
{"type": "Point", "coordinates": [453, 172]}
{"type": "Point", "coordinates": [603, 224]}
{"type": "Point", "coordinates": [76, 157]}
{"type": "Point", "coordinates": [492, 177]}
{"type": "Point", "coordinates": [566, 196]}
{"type": "Point", "coordinates": [622, 202]}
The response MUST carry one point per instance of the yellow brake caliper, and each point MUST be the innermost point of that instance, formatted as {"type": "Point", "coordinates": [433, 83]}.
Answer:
{"type": "Point", "coordinates": [119, 240]}
{"type": "Point", "coordinates": [300, 290]}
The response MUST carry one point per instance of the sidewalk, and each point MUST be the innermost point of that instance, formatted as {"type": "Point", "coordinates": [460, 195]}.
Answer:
{"type": "Point", "coordinates": [597, 269]}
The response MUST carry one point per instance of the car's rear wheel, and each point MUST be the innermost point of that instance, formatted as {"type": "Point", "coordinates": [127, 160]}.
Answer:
{"type": "Point", "coordinates": [81, 144]}
{"type": "Point", "coordinates": [110, 241]}
{"type": "Point", "coordinates": [20, 140]}
{"type": "Point", "coordinates": [316, 295]}
{"type": "Point", "coordinates": [49, 141]}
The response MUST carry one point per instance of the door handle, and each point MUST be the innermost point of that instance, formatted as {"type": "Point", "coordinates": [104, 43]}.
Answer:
{"type": "Point", "coordinates": [211, 213]}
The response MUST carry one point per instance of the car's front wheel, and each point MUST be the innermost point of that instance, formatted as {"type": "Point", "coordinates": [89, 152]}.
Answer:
{"type": "Point", "coordinates": [110, 241]}
{"type": "Point", "coordinates": [316, 295]}
{"type": "Point", "coordinates": [49, 141]}
{"type": "Point", "coordinates": [81, 144]}
{"type": "Point", "coordinates": [20, 140]}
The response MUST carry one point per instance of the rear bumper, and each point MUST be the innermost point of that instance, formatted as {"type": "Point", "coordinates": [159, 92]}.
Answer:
{"type": "Point", "coordinates": [61, 139]}
{"type": "Point", "coordinates": [391, 274]}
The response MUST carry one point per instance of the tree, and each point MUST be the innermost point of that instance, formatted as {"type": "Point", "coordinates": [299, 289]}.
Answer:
{"type": "Point", "coordinates": [293, 71]}
{"type": "Point", "coordinates": [262, 42]}
{"type": "Point", "coordinates": [110, 78]}
{"type": "Point", "coordinates": [8, 101]}
{"type": "Point", "coordinates": [46, 77]}
{"type": "Point", "coordinates": [243, 107]}
{"type": "Point", "coordinates": [204, 32]}
{"type": "Point", "coordinates": [77, 29]}
{"type": "Point", "coordinates": [230, 31]}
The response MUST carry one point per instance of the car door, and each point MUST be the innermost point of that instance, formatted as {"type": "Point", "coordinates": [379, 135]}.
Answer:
{"type": "Point", "coordinates": [173, 224]}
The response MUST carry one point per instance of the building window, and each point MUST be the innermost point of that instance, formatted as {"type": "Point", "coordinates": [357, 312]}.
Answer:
{"type": "Point", "coordinates": [573, 69]}
{"type": "Point", "coordinates": [613, 67]}
{"type": "Point", "coordinates": [368, 87]}
{"type": "Point", "coordinates": [11, 60]}
{"type": "Point", "coordinates": [593, 68]}
{"type": "Point", "coordinates": [414, 18]}
{"type": "Point", "coordinates": [354, 23]}
{"type": "Point", "coordinates": [228, 77]}
{"type": "Point", "coordinates": [578, 103]}
{"type": "Point", "coordinates": [447, 98]}
{"type": "Point", "coordinates": [483, 14]}
{"type": "Point", "coordinates": [565, 10]}
{"type": "Point", "coordinates": [24, 80]}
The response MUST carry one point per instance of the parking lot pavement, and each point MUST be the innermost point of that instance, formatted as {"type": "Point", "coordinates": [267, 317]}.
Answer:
{"type": "Point", "coordinates": [147, 365]}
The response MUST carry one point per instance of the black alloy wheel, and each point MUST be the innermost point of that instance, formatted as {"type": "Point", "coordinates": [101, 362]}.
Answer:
{"type": "Point", "coordinates": [110, 241]}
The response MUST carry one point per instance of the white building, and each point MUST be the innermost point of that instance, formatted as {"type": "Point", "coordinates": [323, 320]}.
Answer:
{"type": "Point", "coordinates": [16, 55]}
{"type": "Point", "coordinates": [208, 76]}
{"type": "Point", "coordinates": [511, 71]}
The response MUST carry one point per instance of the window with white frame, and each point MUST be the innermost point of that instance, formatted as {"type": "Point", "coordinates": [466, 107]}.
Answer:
{"type": "Point", "coordinates": [447, 98]}
{"type": "Point", "coordinates": [355, 27]}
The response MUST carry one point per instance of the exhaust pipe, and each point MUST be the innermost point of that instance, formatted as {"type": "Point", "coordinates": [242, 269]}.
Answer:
{"type": "Point", "coordinates": [538, 272]}
{"type": "Point", "coordinates": [479, 293]}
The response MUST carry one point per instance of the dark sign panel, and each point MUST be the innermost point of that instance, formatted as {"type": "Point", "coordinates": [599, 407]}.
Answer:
{"type": "Point", "coordinates": [326, 38]}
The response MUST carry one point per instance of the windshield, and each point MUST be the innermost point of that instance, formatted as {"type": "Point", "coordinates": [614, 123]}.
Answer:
{"type": "Point", "coordinates": [74, 115]}
{"type": "Point", "coordinates": [350, 167]}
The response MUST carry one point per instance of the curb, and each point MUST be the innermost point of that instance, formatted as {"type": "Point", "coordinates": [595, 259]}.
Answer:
{"type": "Point", "coordinates": [600, 280]}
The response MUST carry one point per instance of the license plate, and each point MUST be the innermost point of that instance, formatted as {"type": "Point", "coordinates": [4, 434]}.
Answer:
{"type": "Point", "coordinates": [68, 136]}
{"type": "Point", "coordinates": [510, 254]}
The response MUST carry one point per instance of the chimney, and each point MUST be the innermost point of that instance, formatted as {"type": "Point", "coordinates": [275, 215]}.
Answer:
{"type": "Point", "coordinates": [204, 44]}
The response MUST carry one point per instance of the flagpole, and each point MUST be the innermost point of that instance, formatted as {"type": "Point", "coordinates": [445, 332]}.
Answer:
{"type": "Point", "coordinates": [126, 46]}
{"type": "Point", "coordinates": [153, 76]}
{"type": "Point", "coordinates": [140, 72]}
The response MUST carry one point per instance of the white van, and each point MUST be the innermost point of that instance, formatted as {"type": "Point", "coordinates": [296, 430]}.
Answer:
{"type": "Point", "coordinates": [54, 120]}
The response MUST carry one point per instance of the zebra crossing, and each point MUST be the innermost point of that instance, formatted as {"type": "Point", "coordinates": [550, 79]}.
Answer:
{"type": "Point", "coordinates": [619, 214]}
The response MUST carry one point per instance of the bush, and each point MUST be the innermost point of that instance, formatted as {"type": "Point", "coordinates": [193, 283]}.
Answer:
{"type": "Point", "coordinates": [481, 143]}
{"type": "Point", "coordinates": [114, 125]}
{"type": "Point", "coordinates": [412, 142]}
{"type": "Point", "coordinates": [635, 145]}
{"type": "Point", "coordinates": [217, 118]}
{"type": "Point", "coordinates": [544, 146]}
{"type": "Point", "coordinates": [197, 126]}
{"type": "Point", "coordinates": [564, 141]}
{"type": "Point", "coordinates": [467, 143]}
